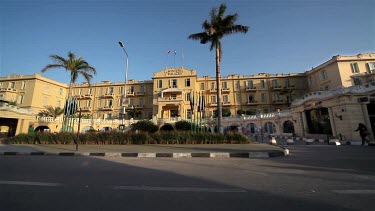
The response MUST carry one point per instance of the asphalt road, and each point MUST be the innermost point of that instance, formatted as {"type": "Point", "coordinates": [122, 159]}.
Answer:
{"type": "Point", "coordinates": [311, 178]}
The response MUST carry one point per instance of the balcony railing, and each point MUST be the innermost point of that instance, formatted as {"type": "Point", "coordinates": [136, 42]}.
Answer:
{"type": "Point", "coordinates": [250, 89]}
{"type": "Point", "coordinates": [252, 102]}
{"type": "Point", "coordinates": [225, 89]}
{"type": "Point", "coordinates": [213, 104]}
{"type": "Point", "coordinates": [106, 108]}
{"type": "Point", "coordinates": [166, 99]}
{"type": "Point", "coordinates": [277, 87]}
{"type": "Point", "coordinates": [7, 90]}
{"type": "Point", "coordinates": [226, 103]}
{"type": "Point", "coordinates": [87, 96]}
{"type": "Point", "coordinates": [108, 95]}
{"type": "Point", "coordinates": [213, 90]}
{"type": "Point", "coordinates": [86, 108]}
{"type": "Point", "coordinates": [140, 93]}
{"type": "Point", "coordinates": [130, 94]}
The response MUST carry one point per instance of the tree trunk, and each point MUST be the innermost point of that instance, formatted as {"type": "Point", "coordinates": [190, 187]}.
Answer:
{"type": "Point", "coordinates": [218, 91]}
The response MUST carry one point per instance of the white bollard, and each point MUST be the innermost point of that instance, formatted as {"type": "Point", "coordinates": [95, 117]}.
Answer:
{"type": "Point", "coordinates": [335, 142]}
{"type": "Point", "coordinates": [310, 141]}
{"type": "Point", "coordinates": [273, 141]}
{"type": "Point", "coordinates": [289, 141]}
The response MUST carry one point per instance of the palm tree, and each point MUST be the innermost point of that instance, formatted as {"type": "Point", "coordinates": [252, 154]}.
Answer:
{"type": "Point", "coordinates": [76, 66]}
{"type": "Point", "coordinates": [51, 111]}
{"type": "Point", "coordinates": [215, 29]}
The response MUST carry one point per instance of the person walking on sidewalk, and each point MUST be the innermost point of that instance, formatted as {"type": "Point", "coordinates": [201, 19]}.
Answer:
{"type": "Point", "coordinates": [363, 132]}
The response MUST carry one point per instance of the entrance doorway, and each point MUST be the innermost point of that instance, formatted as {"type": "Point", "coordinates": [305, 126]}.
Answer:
{"type": "Point", "coordinates": [318, 121]}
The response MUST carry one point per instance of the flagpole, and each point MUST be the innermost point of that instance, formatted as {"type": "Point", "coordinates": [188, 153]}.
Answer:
{"type": "Point", "coordinates": [174, 59]}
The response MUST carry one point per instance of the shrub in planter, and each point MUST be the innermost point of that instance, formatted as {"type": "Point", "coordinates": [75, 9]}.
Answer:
{"type": "Point", "coordinates": [183, 125]}
{"type": "Point", "coordinates": [139, 138]}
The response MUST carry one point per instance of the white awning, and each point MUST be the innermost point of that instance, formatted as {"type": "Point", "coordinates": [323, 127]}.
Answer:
{"type": "Point", "coordinates": [172, 90]}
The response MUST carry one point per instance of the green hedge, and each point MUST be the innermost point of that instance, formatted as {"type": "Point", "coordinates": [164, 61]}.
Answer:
{"type": "Point", "coordinates": [114, 137]}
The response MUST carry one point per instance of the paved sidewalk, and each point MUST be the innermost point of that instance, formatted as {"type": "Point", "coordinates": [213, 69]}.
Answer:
{"type": "Point", "coordinates": [151, 150]}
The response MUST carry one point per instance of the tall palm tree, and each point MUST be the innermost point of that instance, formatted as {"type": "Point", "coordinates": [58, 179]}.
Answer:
{"type": "Point", "coordinates": [215, 29]}
{"type": "Point", "coordinates": [76, 66]}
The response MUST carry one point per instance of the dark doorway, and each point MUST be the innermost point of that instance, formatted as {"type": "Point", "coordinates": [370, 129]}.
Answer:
{"type": "Point", "coordinates": [42, 129]}
{"type": "Point", "coordinates": [371, 114]}
{"type": "Point", "coordinates": [318, 121]}
{"type": "Point", "coordinates": [166, 127]}
{"type": "Point", "coordinates": [11, 125]}
{"type": "Point", "coordinates": [288, 127]}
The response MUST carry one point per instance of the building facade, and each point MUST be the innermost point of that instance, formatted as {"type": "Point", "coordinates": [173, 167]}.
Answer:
{"type": "Point", "coordinates": [328, 99]}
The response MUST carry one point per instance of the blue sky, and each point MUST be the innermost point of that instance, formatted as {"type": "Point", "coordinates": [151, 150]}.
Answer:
{"type": "Point", "coordinates": [285, 36]}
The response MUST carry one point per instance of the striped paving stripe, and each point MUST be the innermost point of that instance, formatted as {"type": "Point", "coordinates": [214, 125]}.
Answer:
{"type": "Point", "coordinates": [29, 183]}
{"type": "Point", "coordinates": [180, 189]}
{"type": "Point", "coordinates": [354, 191]}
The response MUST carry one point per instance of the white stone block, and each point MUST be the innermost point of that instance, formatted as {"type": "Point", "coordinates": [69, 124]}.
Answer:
{"type": "Point", "coordinates": [289, 141]}
{"type": "Point", "coordinates": [219, 155]}
{"type": "Point", "coordinates": [146, 155]}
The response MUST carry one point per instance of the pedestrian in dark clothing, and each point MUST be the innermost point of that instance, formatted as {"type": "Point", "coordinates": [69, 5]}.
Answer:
{"type": "Point", "coordinates": [363, 132]}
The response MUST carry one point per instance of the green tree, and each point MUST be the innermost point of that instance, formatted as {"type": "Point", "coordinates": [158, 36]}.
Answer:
{"type": "Point", "coordinates": [214, 30]}
{"type": "Point", "coordinates": [183, 125]}
{"type": "Point", "coordinates": [145, 126]}
{"type": "Point", "coordinates": [51, 111]}
{"type": "Point", "coordinates": [225, 112]}
{"type": "Point", "coordinates": [76, 66]}
{"type": "Point", "coordinates": [240, 112]}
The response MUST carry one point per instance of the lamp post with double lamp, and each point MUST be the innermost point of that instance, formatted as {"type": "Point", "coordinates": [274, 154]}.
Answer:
{"type": "Point", "coordinates": [124, 99]}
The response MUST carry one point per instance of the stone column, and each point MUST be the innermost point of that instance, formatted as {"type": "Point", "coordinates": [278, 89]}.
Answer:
{"type": "Point", "coordinates": [19, 127]}
{"type": "Point", "coordinates": [332, 121]}
{"type": "Point", "coordinates": [367, 121]}
{"type": "Point", "coordinates": [304, 123]}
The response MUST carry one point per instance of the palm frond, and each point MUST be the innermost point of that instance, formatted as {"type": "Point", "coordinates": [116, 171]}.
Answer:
{"type": "Point", "coordinates": [222, 9]}
{"type": "Point", "coordinates": [236, 29]}
{"type": "Point", "coordinates": [51, 66]}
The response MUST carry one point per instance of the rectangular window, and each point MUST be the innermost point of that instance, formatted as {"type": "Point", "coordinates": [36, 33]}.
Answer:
{"type": "Point", "coordinates": [188, 114]}
{"type": "Point", "coordinates": [131, 102]}
{"type": "Point", "coordinates": [262, 84]}
{"type": "Point", "coordinates": [119, 101]}
{"type": "Point", "coordinates": [276, 96]}
{"type": "Point", "coordinates": [274, 83]}
{"type": "Point", "coordinates": [88, 103]}
{"type": "Point", "coordinates": [110, 90]}
{"type": "Point", "coordinates": [142, 88]}
{"type": "Point", "coordinates": [150, 115]}
{"type": "Point", "coordinates": [238, 98]}
{"type": "Point", "coordinates": [225, 99]}
{"type": "Point", "coordinates": [141, 102]}
{"type": "Point", "coordinates": [213, 99]}
{"type": "Point", "coordinates": [174, 83]}
{"type": "Point", "coordinates": [79, 91]}
{"type": "Point", "coordinates": [323, 74]}
{"type": "Point", "coordinates": [121, 89]}
{"type": "Point", "coordinates": [23, 85]}
{"type": "Point", "coordinates": [237, 84]}
{"type": "Point", "coordinates": [371, 67]}
{"type": "Point", "coordinates": [250, 98]}
{"type": "Point", "coordinates": [187, 96]}
{"type": "Point", "coordinates": [99, 103]}
{"type": "Point", "coordinates": [61, 91]}
{"type": "Point", "coordinates": [160, 84]}
{"type": "Point", "coordinates": [187, 82]}
{"type": "Point", "coordinates": [109, 116]}
{"type": "Point", "coordinates": [58, 104]}
{"type": "Point", "coordinates": [355, 68]}
{"type": "Point", "coordinates": [224, 85]}
{"type": "Point", "coordinates": [89, 92]}
{"type": "Point", "coordinates": [20, 99]}
{"type": "Point", "coordinates": [212, 85]}
{"type": "Point", "coordinates": [202, 86]}
{"type": "Point", "coordinates": [109, 103]}
{"type": "Point", "coordinates": [12, 85]}
{"type": "Point", "coordinates": [131, 89]}
{"type": "Point", "coordinates": [250, 84]}
{"type": "Point", "coordinates": [45, 101]}
{"type": "Point", "coordinates": [263, 97]}
{"type": "Point", "coordinates": [311, 80]}
{"type": "Point", "coordinates": [287, 83]}
{"type": "Point", "coordinates": [1, 85]}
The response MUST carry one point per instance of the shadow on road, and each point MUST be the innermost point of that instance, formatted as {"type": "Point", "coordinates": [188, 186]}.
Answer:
{"type": "Point", "coordinates": [88, 184]}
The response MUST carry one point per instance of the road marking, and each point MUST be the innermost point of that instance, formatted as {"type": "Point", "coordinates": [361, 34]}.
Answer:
{"type": "Point", "coordinates": [354, 191]}
{"type": "Point", "coordinates": [179, 189]}
{"type": "Point", "coordinates": [29, 183]}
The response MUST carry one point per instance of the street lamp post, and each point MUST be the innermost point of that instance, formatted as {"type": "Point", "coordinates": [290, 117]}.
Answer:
{"type": "Point", "coordinates": [125, 100]}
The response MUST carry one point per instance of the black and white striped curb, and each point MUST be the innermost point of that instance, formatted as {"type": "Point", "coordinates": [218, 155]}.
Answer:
{"type": "Point", "coordinates": [260, 154]}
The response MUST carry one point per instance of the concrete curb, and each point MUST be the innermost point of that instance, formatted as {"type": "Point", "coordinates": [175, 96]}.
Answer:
{"type": "Point", "coordinates": [260, 154]}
